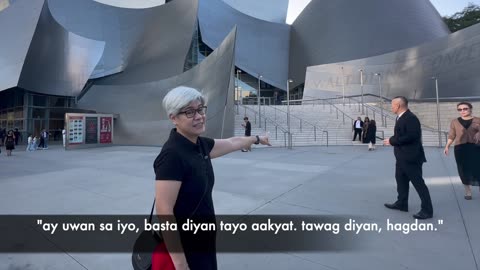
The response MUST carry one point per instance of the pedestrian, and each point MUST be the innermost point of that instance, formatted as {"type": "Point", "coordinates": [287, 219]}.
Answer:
{"type": "Point", "coordinates": [185, 179]}
{"type": "Point", "coordinates": [371, 136]}
{"type": "Point", "coordinates": [16, 133]}
{"type": "Point", "coordinates": [357, 128]}
{"type": "Point", "coordinates": [410, 156]}
{"type": "Point", "coordinates": [465, 132]}
{"type": "Point", "coordinates": [30, 143]}
{"type": "Point", "coordinates": [366, 121]}
{"type": "Point", "coordinates": [10, 142]}
{"type": "Point", "coordinates": [248, 132]}
{"type": "Point", "coordinates": [64, 134]}
{"type": "Point", "coordinates": [45, 135]}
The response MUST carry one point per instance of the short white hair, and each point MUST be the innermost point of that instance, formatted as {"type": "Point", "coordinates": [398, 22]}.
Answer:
{"type": "Point", "coordinates": [179, 97]}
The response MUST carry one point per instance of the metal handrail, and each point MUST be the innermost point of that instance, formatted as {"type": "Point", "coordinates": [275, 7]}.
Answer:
{"type": "Point", "coordinates": [292, 115]}
{"type": "Point", "coordinates": [302, 120]}
{"type": "Point", "coordinates": [277, 125]}
{"type": "Point", "coordinates": [284, 130]}
{"type": "Point", "coordinates": [446, 99]}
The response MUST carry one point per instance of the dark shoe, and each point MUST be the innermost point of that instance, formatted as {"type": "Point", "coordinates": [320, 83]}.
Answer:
{"type": "Point", "coordinates": [396, 206]}
{"type": "Point", "coordinates": [243, 150]}
{"type": "Point", "coordinates": [468, 197]}
{"type": "Point", "coordinates": [422, 215]}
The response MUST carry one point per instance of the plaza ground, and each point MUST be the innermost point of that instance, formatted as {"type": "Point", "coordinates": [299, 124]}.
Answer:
{"type": "Point", "coordinates": [340, 180]}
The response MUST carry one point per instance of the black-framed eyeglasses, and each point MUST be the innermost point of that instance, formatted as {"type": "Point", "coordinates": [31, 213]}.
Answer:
{"type": "Point", "coordinates": [463, 109]}
{"type": "Point", "coordinates": [190, 113]}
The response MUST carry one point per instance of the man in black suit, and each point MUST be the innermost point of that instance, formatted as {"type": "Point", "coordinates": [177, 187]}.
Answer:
{"type": "Point", "coordinates": [408, 150]}
{"type": "Point", "coordinates": [357, 128]}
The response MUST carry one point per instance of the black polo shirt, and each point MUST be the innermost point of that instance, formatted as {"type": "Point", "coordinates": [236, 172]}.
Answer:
{"type": "Point", "coordinates": [181, 160]}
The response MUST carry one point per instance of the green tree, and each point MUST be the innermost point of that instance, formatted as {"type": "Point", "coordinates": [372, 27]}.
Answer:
{"type": "Point", "coordinates": [463, 19]}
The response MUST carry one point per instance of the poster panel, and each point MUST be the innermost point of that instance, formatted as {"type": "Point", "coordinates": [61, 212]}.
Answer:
{"type": "Point", "coordinates": [91, 134]}
{"type": "Point", "coordinates": [75, 130]}
{"type": "Point", "coordinates": [106, 129]}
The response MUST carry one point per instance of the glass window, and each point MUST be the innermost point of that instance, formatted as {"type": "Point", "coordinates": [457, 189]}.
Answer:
{"type": "Point", "coordinates": [19, 124]}
{"type": "Point", "coordinates": [57, 102]}
{"type": "Point", "coordinates": [57, 114]}
{"type": "Point", "coordinates": [56, 125]}
{"type": "Point", "coordinates": [39, 100]}
{"type": "Point", "coordinates": [10, 115]}
{"type": "Point", "coordinates": [19, 112]}
{"type": "Point", "coordinates": [38, 113]}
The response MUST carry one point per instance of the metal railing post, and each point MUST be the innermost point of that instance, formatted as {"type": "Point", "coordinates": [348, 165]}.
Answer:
{"type": "Point", "coordinates": [314, 133]}
{"type": "Point", "coordinates": [276, 131]}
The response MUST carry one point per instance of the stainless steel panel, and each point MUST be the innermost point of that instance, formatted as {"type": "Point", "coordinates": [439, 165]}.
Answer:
{"type": "Point", "coordinates": [137, 40]}
{"type": "Point", "coordinates": [17, 26]}
{"type": "Point", "coordinates": [262, 46]}
{"type": "Point", "coordinates": [267, 10]}
{"type": "Point", "coordinates": [454, 60]}
{"type": "Point", "coordinates": [142, 119]}
{"type": "Point", "coordinates": [330, 31]}
{"type": "Point", "coordinates": [58, 62]}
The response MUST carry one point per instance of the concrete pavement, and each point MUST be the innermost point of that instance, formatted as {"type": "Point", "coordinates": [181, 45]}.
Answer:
{"type": "Point", "coordinates": [340, 180]}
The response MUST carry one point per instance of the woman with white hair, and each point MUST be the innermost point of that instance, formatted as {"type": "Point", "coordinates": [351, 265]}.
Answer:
{"type": "Point", "coordinates": [185, 179]}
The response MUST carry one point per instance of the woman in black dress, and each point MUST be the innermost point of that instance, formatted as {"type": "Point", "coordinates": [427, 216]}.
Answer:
{"type": "Point", "coordinates": [371, 135]}
{"type": "Point", "coordinates": [10, 142]}
{"type": "Point", "coordinates": [185, 179]}
{"type": "Point", "coordinates": [366, 122]}
{"type": "Point", "coordinates": [465, 131]}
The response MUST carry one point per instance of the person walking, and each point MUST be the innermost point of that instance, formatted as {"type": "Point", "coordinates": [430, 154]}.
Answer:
{"type": "Point", "coordinates": [371, 135]}
{"type": "Point", "coordinates": [64, 137]}
{"type": "Point", "coordinates": [410, 156]}
{"type": "Point", "coordinates": [185, 179]}
{"type": "Point", "coordinates": [248, 132]}
{"type": "Point", "coordinates": [30, 143]}
{"type": "Point", "coordinates": [45, 136]}
{"type": "Point", "coordinates": [366, 122]}
{"type": "Point", "coordinates": [10, 142]}
{"type": "Point", "coordinates": [465, 132]}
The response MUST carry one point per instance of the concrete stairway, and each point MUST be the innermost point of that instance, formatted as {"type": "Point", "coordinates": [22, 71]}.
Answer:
{"type": "Point", "coordinates": [308, 121]}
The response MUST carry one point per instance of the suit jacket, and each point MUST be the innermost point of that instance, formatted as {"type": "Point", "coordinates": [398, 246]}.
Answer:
{"type": "Point", "coordinates": [407, 139]}
{"type": "Point", "coordinates": [355, 123]}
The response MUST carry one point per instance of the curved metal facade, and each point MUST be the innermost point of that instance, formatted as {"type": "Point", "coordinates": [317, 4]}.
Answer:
{"type": "Point", "coordinates": [330, 31]}
{"type": "Point", "coordinates": [454, 60]}
{"type": "Point", "coordinates": [137, 40]}
{"type": "Point", "coordinates": [17, 26]}
{"type": "Point", "coordinates": [142, 119]}
{"type": "Point", "coordinates": [55, 48]}
{"type": "Point", "coordinates": [266, 10]}
{"type": "Point", "coordinates": [262, 47]}
{"type": "Point", "coordinates": [132, 4]}
{"type": "Point", "coordinates": [58, 62]}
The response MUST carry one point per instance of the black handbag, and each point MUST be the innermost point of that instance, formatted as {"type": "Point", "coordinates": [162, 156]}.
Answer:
{"type": "Point", "coordinates": [144, 247]}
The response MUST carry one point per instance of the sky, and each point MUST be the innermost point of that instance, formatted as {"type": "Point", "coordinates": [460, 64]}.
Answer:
{"type": "Point", "coordinates": [449, 7]}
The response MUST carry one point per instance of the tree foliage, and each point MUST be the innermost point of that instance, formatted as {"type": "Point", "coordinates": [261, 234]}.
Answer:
{"type": "Point", "coordinates": [463, 19]}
